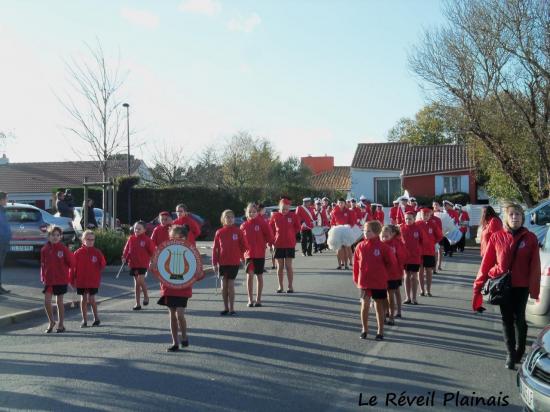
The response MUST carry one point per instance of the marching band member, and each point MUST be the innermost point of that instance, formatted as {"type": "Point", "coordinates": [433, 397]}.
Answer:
{"type": "Point", "coordinates": [402, 209]}
{"type": "Point", "coordinates": [227, 254]}
{"type": "Point", "coordinates": [464, 219]}
{"type": "Point", "coordinates": [257, 234]}
{"type": "Point", "coordinates": [490, 223]}
{"type": "Point", "coordinates": [327, 209]}
{"type": "Point", "coordinates": [363, 200]}
{"type": "Point", "coordinates": [304, 214]}
{"type": "Point", "coordinates": [394, 211]}
{"type": "Point", "coordinates": [184, 218]}
{"type": "Point", "coordinates": [449, 208]}
{"type": "Point", "coordinates": [340, 236]}
{"type": "Point", "coordinates": [323, 222]}
{"type": "Point", "coordinates": [413, 205]}
{"type": "Point", "coordinates": [391, 236]}
{"type": "Point", "coordinates": [379, 213]}
{"type": "Point", "coordinates": [161, 233]}
{"type": "Point", "coordinates": [412, 237]}
{"type": "Point", "coordinates": [373, 261]}
{"type": "Point", "coordinates": [284, 226]}
{"type": "Point", "coordinates": [431, 234]}
{"type": "Point", "coordinates": [440, 246]}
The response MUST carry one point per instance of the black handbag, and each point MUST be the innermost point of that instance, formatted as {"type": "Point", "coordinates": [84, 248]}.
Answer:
{"type": "Point", "coordinates": [498, 290]}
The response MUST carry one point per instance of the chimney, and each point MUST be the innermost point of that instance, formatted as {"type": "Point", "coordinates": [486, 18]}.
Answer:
{"type": "Point", "coordinates": [4, 160]}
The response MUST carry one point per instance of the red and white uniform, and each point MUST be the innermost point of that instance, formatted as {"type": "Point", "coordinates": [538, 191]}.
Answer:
{"type": "Point", "coordinates": [464, 220]}
{"type": "Point", "coordinates": [229, 246]}
{"type": "Point", "coordinates": [379, 215]}
{"type": "Point", "coordinates": [341, 217]}
{"type": "Point", "coordinates": [401, 212]}
{"type": "Point", "coordinates": [412, 238]}
{"type": "Point", "coordinates": [284, 229]}
{"type": "Point", "coordinates": [325, 217]}
{"type": "Point", "coordinates": [431, 234]}
{"type": "Point", "coordinates": [257, 234]}
{"type": "Point", "coordinates": [138, 251]}
{"type": "Point", "coordinates": [305, 216]}
{"type": "Point", "coordinates": [89, 262]}
{"type": "Point", "coordinates": [454, 214]}
{"type": "Point", "coordinates": [161, 234]}
{"type": "Point", "coordinates": [357, 214]}
{"type": "Point", "coordinates": [525, 269]}
{"type": "Point", "coordinates": [398, 249]}
{"type": "Point", "coordinates": [373, 262]}
{"type": "Point", "coordinates": [194, 227]}
{"type": "Point", "coordinates": [393, 215]}
{"type": "Point", "coordinates": [493, 226]}
{"type": "Point", "coordinates": [55, 262]}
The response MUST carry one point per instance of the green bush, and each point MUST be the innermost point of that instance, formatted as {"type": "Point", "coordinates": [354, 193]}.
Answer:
{"type": "Point", "coordinates": [111, 243]}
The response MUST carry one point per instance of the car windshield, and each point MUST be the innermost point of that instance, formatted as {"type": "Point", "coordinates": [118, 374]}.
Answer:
{"type": "Point", "coordinates": [19, 215]}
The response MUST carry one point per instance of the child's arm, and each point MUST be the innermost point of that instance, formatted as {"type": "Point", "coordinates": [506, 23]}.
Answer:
{"type": "Point", "coordinates": [268, 233]}
{"type": "Point", "coordinates": [216, 250]}
{"type": "Point", "coordinates": [242, 244]}
{"type": "Point", "coordinates": [68, 257]}
{"type": "Point", "coordinates": [43, 265]}
{"type": "Point", "coordinates": [356, 264]}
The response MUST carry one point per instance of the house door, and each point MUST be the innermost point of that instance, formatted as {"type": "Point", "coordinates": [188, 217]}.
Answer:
{"type": "Point", "coordinates": [387, 190]}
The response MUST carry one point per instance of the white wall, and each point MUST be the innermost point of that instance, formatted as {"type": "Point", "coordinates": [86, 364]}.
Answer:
{"type": "Point", "coordinates": [29, 197]}
{"type": "Point", "coordinates": [362, 181]}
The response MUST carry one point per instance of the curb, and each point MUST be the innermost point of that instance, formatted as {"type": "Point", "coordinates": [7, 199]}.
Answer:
{"type": "Point", "coordinates": [24, 315]}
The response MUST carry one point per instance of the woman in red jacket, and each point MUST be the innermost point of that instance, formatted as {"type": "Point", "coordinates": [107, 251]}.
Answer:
{"type": "Point", "coordinates": [227, 254]}
{"type": "Point", "coordinates": [161, 233]}
{"type": "Point", "coordinates": [391, 237]}
{"type": "Point", "coordinates": [137, 254]}
{"type": "Point", "coordinates": [412, 237]}
{"type": "Point", "coordinates": [176, 300]}
{"type": "Point", "coordinates": [490, 223]}
{"type": "Point", "coordinates": [86, 276]}
{"type": "Point", "coordinates": [284, 226]}
{"type": "Point", "coordinates": [372, 263]}
{"type": "Point", "coordinates": [431, 235]}
{"type": "Point", "coordinates": [525, 271]}
{"type": "Point", "coordinates": [257, 235]}
{"type": "Point", "coordinates": [55, 262]}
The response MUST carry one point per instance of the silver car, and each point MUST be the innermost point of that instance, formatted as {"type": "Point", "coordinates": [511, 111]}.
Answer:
{"type": "Point", "coordinates": [533, 378]}
{"type": "Point", "coordinates": [540, 308]}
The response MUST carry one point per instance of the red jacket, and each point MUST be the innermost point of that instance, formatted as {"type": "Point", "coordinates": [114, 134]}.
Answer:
{"type": "Point", "coordinates": [194, 228]}
{"type": "Point", "coordinates": [372, 263]}
{"type": "Point", "coordinates": [412, 237]}
{"type": "Point", "coordinates": [379, 215]}
{"type": "Point", "coordinates": [168, 291]}
{"type": "Point", "coordinates": [525, 269]}
{"type": "Point", "coordinates": [305, 216]}
{"type": "Point", "coordinates": [341, 217]}
{"type": "Point", "coordinates": [438, 222]}
{"type": "Point", "coordinates": [493, 226]}
{"type": "Point", "coordinates": [398, 249]}
{"type": "Point", "coordinates": [89, 262]}
{"type": "Point", "coordinates": [400, 215]}
{"type": "Point", "coordinates": [257, 234]}
{"type": "Point", "coordinates": [431, 234]}
{"type": "Point", "coordinates": [284, 229]}
{"type": "Point", "coordinates": [464, 217]}
{"type": "Point", "coordinates": [454, 214]}
{"type": "Point", "coordinates": [357, 215]}
{"type": "Point", "coordinates": [138, 251]}
{"type": "Point", "coordinates": [55, 262]}
{"type": "Point", "coordinates": [161, 234]}
{"type": "Point", "coordinates": [229, 246]}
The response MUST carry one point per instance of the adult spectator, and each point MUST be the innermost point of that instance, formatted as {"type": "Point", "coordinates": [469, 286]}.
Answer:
{"type": "Point", "coordinates": [5, 235]}
{"type": "Point", "coordinates": [64, 209]}
{"type": "Point", "coordinates": [514, 249]}
{"type": "Point", "coordinates": [92, 222]}
{"type": "Point", "coordinates": [490, 223]}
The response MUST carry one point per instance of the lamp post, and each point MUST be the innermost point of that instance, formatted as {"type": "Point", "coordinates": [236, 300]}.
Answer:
{"type": "Point", "coordinates": [128, 160]}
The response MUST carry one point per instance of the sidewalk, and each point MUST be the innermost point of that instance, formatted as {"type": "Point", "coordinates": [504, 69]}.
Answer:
{"type": "Point", "coordinates": [22, 278]}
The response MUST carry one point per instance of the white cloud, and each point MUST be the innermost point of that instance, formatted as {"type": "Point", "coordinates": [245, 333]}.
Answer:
{"type": "Point", "coordinates": [207, 7]}
{"type": "Point", "coordinates": [244, 24]}
{"type": "Point", "coordinates": [142, 18]}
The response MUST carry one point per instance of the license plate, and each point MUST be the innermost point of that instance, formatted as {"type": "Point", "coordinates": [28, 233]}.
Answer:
{"type": "Point", "coordinates": [526, 395]}
{"type": "Point", "coordinates": [17, 248]}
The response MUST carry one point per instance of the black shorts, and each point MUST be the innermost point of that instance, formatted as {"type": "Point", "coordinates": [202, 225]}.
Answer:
{"type": "Point", "coordinates": [428, 261]}
{"type": "Point", "coordinates": [412, 267]}
{"type": "Point", "coordinates": [137, 271]}
{"type": "Point", "coordinates": [89, 291]}
{"type": "Point", "coordinates": [394, 284]}
{"type": "Point", "coordinates": [255, 265]}
{"type": "Point", "coordinates": [55, 289]}
{"type": "Point", "coordinates": [173, 301]}
{"type": "Point", "coordinates": [285, 253]}
{"type": "Point", "coordinates": [374, 293]}
{"type": "Point", "coordinates": [229, 270]}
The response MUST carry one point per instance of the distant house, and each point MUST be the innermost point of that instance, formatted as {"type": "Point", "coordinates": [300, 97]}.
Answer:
{"type": "Point", "coordinates": [382, 171]}
{"type": "Point", "coordinates": [327, 177]}
{"type": "Point", "coordinates": [33, 182]}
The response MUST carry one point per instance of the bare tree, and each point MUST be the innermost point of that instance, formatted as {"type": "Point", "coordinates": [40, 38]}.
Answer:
{"type": "Point", "coordinates": [169, 167]}
{"type": "Point", "coordinates": [94, 107]}
{"type": "Point", "coordinates": [492, 59]}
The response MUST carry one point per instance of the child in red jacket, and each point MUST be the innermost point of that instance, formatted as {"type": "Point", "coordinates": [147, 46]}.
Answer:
{"type": "Point", "coordinates": [257, 235]}
{"type": "Point", "coordinates": [176, 300]}
{"type": "Point", "coordinates": [86, 276]}
{"type": "Point", "coordinates": [431, 235]}
{"type": "Point", "coordinates": [227, 254]}
{"type": "Point", "coordinates": [372, 261]}
{"type": "Point", "coordinates": [412, 237]}
{"type": "Point", "coordinates": [137, 254]}
{"type": "Point", "coordinates": [55, 262]}
{"type": "Point", "coordinates": [161, 232]}
{"type": "Point", "coordinates": [391, 236]}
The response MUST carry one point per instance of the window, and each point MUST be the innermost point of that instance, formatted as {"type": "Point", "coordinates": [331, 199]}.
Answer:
{"type": "Point", "coordinates": [451, 184]}
{"type": "Point", "coordinates": [387, 190]}
{"type": "Point", "coordinates": [17, 215]}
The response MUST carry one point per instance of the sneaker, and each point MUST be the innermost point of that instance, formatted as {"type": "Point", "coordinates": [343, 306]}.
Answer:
{"type": "Point", "coordinates": [258, 305]}
{"type": "Point", "coordinates": [84, 324]}
{"type": "Point", "coordinates": [422, 294]}
{"type": "Point", "coordinates": [407, 302]}
{"type": "Point", "coordinates": [137, 307]}
{"type": "Point", "coordinates": [97, 322]}
{"type": "Point", "coordinates": [173, 348]}
{"type": "Point", "coordinates": [363, 335]}
{"type": "Point", "coordinates": [347, 268]}
{"type": "Point", "coordinates": [224, 312]}
{"type": "Point", "coordinates": [250, 305]}
{"type": "Point", "coordinates": [185, 343]}
{"type": "Point", "coordinates": [415, 302]}
{"type": "Point", "coordinates": [379, 337]}
{"type": "Point", "coordinates": [429, 294]}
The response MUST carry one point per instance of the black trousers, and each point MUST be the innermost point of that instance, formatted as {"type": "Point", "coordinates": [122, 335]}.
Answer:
{"type": "Point", "coordinates": [447, 248]}
{"type": "Point", "coordinates": [307, 242]}
{"type": "Point", "coordinates": [461, 243]}
{"type": "Point", "coordinates": [514, 324]}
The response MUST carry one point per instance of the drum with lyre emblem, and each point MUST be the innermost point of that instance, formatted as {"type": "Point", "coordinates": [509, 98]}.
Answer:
{"type": "Point", "coordinates": [177, 263]}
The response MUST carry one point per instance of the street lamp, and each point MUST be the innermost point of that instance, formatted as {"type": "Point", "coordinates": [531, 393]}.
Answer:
{"type": "Point", "coordinates": [128, 160]}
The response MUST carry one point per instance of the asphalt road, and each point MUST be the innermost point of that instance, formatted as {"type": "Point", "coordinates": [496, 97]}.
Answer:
{"type": "Point", "coordinates": [299, 352]}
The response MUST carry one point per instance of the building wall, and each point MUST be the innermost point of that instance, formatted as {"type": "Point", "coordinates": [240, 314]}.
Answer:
{"type": "Point", "coordinates": [362, 181]}
{"type": "Point", "coordinates": [432, 185]}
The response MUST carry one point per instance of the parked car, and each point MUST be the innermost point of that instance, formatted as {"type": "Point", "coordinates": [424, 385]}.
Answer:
{"type": "Point", "coordinates": [65, 223]}
{"type": "Point", "coordinates": [78, 218]}
{"type": "Point", "coordinates": [541, 306]}
{"type": "Point", "coordinates": [537, 217]}
{"type": "Point", "coordinates": [533, 378]}
{"type": "Point", "coordinates": [206, 228]}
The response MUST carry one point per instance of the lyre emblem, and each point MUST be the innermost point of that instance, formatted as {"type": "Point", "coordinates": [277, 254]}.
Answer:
{"type": "Point", "coordinates": [178, 266]}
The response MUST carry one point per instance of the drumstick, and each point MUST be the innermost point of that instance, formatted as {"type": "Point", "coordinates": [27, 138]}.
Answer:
{"type": "Point", "coordinates": [217, 278]}
{"type": "Point", "coordinates": [120, 270]}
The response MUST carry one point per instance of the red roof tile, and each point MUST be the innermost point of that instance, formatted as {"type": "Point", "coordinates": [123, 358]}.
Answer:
{"type": "Point", "coordinates": [335, 179]}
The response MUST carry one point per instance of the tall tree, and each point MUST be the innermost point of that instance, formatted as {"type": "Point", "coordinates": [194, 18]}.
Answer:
{"type": "Point", "coordinates": [169, 167]}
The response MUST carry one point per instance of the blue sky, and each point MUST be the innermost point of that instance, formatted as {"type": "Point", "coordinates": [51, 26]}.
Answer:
{"type": "Point", "coordinates": [315, 77]}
